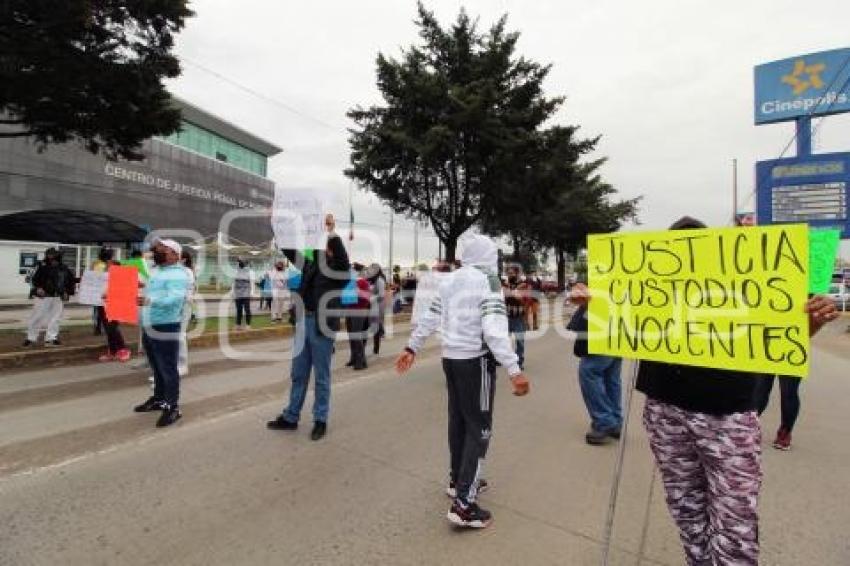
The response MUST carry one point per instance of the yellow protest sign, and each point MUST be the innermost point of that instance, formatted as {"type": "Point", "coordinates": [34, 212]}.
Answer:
{"type": "Point", "coordinates": [729, 298]}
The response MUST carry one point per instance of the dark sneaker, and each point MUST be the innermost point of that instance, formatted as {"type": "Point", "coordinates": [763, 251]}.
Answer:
{"type": "Point", "coordinates": [53, 342]}
{"type": "Point", "coordinates": [451, 489]}
{"type": "Point", "coordinates": [169, 416]}
{"type": "Point", "coordinates": [319, 430]}
{"type": "Point", "coordinates": [614, 433]}
{"type": "Point", "coordinates": [597, 437]}
{"type": "Point", "coordinates": [281, 423]}
{"type": "Point", "coordinates": [783, 440]}
{"type": "Point", "coordinates": [468, 515]}
{"type": "Point", "coordinates": [151, 404]}
{"type": "Point", "coordinates": [27, 343]}
{"type": "Point", "coordinates": [349, 363]}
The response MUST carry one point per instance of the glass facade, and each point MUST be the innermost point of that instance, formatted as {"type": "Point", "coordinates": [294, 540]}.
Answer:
{"type": "Point", "coordinates": [211, 145]}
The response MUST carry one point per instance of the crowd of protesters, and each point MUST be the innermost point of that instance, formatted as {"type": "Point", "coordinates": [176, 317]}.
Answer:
{"type": "Point", "coordinates": [702, 424]}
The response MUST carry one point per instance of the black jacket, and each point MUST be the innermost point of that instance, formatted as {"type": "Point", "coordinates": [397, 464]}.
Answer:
{"type": "Point", "coordinates": [56, 280]}
{"type": "Point", "coordinates": [699, 389]}
{"type": "Point", "coordinates": [322, 281]}
{"type": "Point", "coordinates": [578, 324]}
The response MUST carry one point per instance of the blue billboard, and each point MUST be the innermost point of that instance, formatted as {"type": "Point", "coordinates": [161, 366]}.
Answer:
{"type": "Point", "coordinates": [811, 189]}
{"type": "Point", "coordinates": [809, 85]}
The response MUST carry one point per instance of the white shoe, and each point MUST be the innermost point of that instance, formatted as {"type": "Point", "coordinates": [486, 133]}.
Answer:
{"type": "Point", "coordinates": [183, 371]}
{"type": "Point", "coordinates": [151, 380]}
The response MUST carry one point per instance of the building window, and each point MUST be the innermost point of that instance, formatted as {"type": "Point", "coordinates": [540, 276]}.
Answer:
{"type": "Point", "coordinates": [212, 145]}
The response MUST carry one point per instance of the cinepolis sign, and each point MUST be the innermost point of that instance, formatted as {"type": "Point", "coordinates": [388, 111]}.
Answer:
{"type": "Point", "coordinates": [809, 85]}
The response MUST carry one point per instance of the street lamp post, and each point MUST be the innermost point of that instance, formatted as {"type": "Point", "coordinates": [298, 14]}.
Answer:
{"type": "Point", "coordinates": [391, 241]}
{"type": "Point", "coordinates": [415, 244]}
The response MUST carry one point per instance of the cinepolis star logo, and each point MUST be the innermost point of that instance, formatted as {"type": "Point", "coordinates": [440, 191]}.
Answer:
{"type": "Point", "coordinates": [812, 78]}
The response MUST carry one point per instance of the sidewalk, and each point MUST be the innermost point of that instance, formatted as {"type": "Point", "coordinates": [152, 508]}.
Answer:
{"type": "Point", "coordinates": [80, 345]}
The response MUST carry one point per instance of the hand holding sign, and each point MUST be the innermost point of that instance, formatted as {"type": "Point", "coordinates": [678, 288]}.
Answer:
{"type": "Point", "coordinates": [820, 310]}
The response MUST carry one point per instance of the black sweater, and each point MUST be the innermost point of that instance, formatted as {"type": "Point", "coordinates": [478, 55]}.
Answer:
{"type": "Point", "coordinates": [322, 280]}
{"type": "Point", "coordinates": [699, 389]}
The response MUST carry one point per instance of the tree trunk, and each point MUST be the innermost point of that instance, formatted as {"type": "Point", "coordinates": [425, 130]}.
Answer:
{"type": "Point", "coordinates": [561, 261]}
{"type": "Point", "coordinates": [450, 246]}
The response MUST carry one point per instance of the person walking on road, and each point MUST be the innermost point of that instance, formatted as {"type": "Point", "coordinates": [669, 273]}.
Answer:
{"type": "Point", "coordinates": [53, 283]}
{"type": "Point", "coordinates": [599, 377]}
{"type": "Point", "coordinates": [243, 285]}
{"type": "Point", "coordinates": [706, 438]}
{"type": "Point", "coordinates": [469, 310]}
{"type": "Point", "coordinates": [316, 324]}
{"type": "Point", "coordinates": [162, 305]}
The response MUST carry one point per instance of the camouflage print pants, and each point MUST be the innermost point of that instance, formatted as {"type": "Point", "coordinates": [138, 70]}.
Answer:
{"type": "Point", "coordinates": [711, 469]}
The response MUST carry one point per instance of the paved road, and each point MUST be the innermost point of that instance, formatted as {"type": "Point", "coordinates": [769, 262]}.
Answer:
{"type": "Point", "coordinates": [85, 482]}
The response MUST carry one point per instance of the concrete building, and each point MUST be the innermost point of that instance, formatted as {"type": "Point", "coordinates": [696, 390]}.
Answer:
{"type": "Point", "coordinates": [189, 180]}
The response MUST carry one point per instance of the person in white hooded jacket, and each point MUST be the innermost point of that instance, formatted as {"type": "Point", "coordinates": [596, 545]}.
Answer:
{"type": "Point", "coordinates": [469, 310]}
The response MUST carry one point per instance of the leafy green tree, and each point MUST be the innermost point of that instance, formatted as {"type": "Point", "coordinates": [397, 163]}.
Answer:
{"type": "Point", "coordinates": [89, 70]}
{"type": "Point", "coordinates": [460, 110]}
{"type": "Point", "coordinates": [551, 168]}
{"type": "Point", "coordinates": [583, 206]}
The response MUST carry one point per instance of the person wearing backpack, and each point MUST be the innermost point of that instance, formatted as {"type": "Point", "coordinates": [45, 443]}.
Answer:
{"type": "Point", "coordinates": [357, 319]}
{"type": "Point", "coordinates": [599, 377]}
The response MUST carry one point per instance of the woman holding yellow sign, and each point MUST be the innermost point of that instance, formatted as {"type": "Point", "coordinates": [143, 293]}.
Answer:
{"type": "Point", "coordinates": [705, 434]}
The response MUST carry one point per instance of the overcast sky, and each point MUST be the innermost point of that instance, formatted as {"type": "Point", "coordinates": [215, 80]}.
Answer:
{"type": "Point", "coordinates": [667, 83]}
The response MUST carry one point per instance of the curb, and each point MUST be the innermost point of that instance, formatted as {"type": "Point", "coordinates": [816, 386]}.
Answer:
{"type": "Point", "coordinates": [65, 355]}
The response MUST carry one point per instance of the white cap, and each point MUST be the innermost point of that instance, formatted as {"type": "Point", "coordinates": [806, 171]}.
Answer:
{"type": "Point", "coordinates": [172, 245]}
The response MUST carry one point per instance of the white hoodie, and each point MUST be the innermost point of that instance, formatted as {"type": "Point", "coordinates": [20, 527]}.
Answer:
{"type": "Point", "coordinates": [469, 309]}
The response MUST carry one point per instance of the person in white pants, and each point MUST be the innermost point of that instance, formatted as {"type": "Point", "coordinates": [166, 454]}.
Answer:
{"type": "Point", "coordinates": [46, 314]}
{"type": "Point", "coordinates": [280, 291]}
{"type": "Point", "coordinates": [53, 283]}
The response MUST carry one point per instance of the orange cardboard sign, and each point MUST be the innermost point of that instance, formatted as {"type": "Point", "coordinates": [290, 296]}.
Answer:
{"type": "Point", "coordinates": [122, 293]}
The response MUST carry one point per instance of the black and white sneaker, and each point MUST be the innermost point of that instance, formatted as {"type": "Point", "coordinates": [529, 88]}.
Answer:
{"type": "Point", "coordinates": [151, 404]}
{"type": "Point", "coordinates": [27, 343]}
{"type": "Point", "coordinates": [451, 489]}
{"type": "Point", "coordinates": [169, 416]}
{"type": "Point", "coordinates": [54, 342]}
{"type": "Point", "coordinates": [468, 515]}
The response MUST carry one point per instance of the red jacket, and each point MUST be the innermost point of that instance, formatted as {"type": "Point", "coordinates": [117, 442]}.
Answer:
{"type": "Point", "coordinates": [364, 293]}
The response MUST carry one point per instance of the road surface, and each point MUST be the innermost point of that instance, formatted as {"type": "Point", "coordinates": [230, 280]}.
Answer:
{"type": "Point", "coordinates": [84, 481]}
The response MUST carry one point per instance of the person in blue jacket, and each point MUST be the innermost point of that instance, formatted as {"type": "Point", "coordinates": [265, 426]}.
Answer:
{"type": "Point", "coordinates": [162, 312]}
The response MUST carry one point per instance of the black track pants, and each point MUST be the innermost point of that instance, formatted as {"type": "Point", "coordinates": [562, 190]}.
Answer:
{"type": "Point", "coordinates": [470, 387]}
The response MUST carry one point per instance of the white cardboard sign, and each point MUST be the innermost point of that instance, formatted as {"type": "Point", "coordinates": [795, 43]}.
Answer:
{"type": "Point", "coordinates": [92, 288]}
